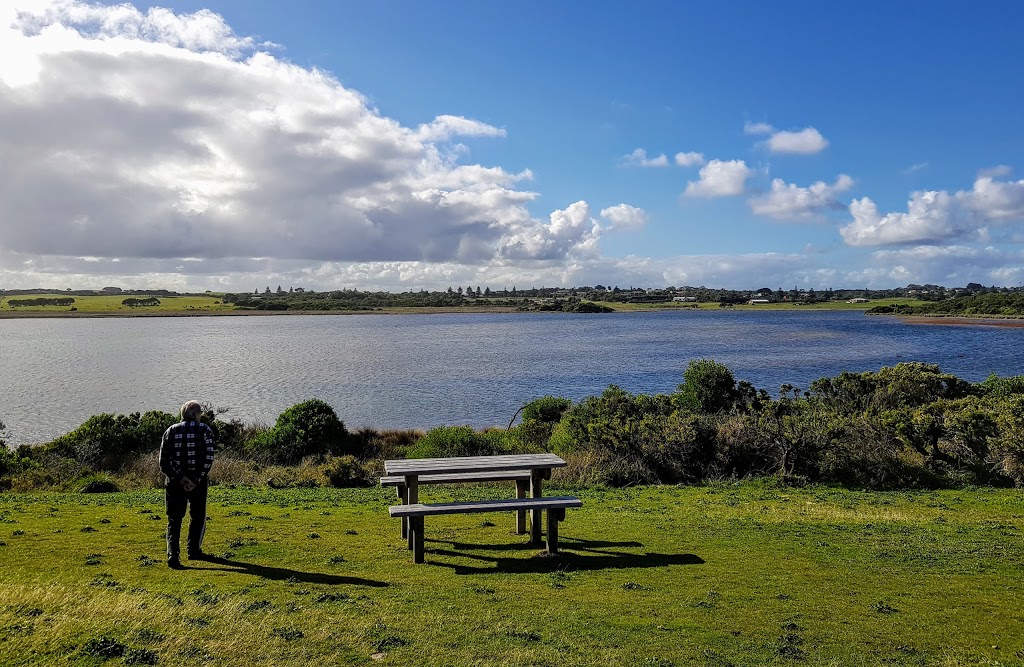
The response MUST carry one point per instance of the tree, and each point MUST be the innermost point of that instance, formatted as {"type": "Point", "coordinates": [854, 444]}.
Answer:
{"type": "Point", "coordinates": [460, 291]}
{"type": "Point", "coordinates": [478, 290]}
{"type": "Point", "coordinates": [708, 387]}
{"type": "Point", "coordinates": [487, 291]}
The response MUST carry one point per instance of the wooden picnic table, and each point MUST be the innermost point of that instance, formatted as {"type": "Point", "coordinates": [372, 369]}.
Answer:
{"type": "Point", "coordinates": [538, 465]}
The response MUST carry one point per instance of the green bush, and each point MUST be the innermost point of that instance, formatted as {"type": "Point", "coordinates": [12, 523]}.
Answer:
{"type": "Point", "coordinates": [108, 442]}
{"type": "Point", "coordinates": [708, 387]}
{"type": "Point", "coordinates": [345, 471]}
{"type": "Point", "coordinates": [311, 428]}
{"type": "Point", "coordinates": [445, 441]}
{"type": "Point", "coordinates": [97, 483]}
{"type": "Point", "coordinates": [546, 409]}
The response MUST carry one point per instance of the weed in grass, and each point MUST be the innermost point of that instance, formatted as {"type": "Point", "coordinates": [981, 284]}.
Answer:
{"type": "Point", "coordinates": [104, 520]}
{"type": "Point", "coordinates": [174, 600]}
{"type": "Point", "coordinates": [331, 597]}
{"type": "Point", "coordinates": [197, 622]}
{"type": "Point", "coordinates": [336, 559]}
{"type": "Point", "coordinates": [149, 636]}
{"type": "Point", "coordinates": [204, 598]}
{"type": "Point", "coordinates": [791, 627]}
{"type": "Point", "coordinates": [525, 635]}
{"type": "Point", "coordinates": [18, 533]}
{"type": "Point", "coordinates": [633, 586]}
{"type": "Point", "coordinates": [26, 611]}
{"type": "Point", "coordinates": [883, 607]}
{"type": "Point", "coordinates": [256, 605]}
{"type": "Point", "coordinates": [482, 590]}
{"type": "Point", "coordinates": [88, 529]}
{"type": "Point", "coordinates": [2, 543]}
{"type": "Point", "coordinates": [246, 529]}
{"type": "Point", "coordinates": [351, 532]}
{"type": "Point", "coordinates": [104, 647]}
{"type": "Point", "coordinates": [17, 630]}
{"type": "Point", "coordinates": [789, 646]}
{"type": "Point", "coordinates": [94, 559]}
{"type": "Point", "coordinates": [155, 517]}
{"type": "Point", "coordinates": [104, 581]}
{"type": "Point", "coordinates": [288, 634]}
{"type": "Point", "coordinates": [194, 652]}
{"type": "Point", "coordinates": [486, 523]}
{"type": "Point", "coordinates": [140, 656]}
{"type": "Point", "coordinates": [146, 561]}
{"type": "Point", "coordinates": [715, 659]}
{"type": "Point", "coordinates": [145, 511]}
{"type": "Point", "coordinates": [313, 536]}
{"type": "Point", "coordinates": [783, 596]}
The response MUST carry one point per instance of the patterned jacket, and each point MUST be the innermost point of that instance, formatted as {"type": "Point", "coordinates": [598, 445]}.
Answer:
{"type": "Point", "coordinates": [186, 450]}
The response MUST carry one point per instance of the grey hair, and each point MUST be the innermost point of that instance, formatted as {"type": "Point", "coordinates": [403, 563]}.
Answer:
{"type": "Point", "coordinates": [190, 411]}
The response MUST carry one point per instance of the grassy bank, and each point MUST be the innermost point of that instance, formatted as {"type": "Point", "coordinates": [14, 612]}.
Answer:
{"type": "Point", "coordinates": [718, 575]}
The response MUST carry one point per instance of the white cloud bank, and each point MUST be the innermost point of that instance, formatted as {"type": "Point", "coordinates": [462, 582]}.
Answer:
{"type": "Point", "coordinates": [638, 158]}
{"type": "Point", "coordinates": [689, 159]}
{"type": "Point", "coordinates": [935, 217]}
{"type": "Point", "coordinates": [150, 137]}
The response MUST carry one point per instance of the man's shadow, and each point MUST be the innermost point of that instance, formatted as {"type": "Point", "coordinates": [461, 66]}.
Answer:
{"type": "Point", "coordinates": [285, 574]}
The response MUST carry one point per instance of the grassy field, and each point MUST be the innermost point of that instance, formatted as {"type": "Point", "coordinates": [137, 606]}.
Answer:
{"type": "Point", "coordinates": [719, 575]}
{"type": "Point", "coordinates": [822, 305]}
{"type": "Point", "coordinates": [111, 304]}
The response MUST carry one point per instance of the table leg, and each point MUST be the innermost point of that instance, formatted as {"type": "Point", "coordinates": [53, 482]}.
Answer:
{"type": "Point", "coordinates": [403, 499]}
{"type": "Point", "coordinates": [412, 496]}
{"type": "Point", "coordinates": [417, 542]}
{"type": "Point", "coordinates": [554, 516]}
{"type": "Point", "coordinates": [536, 491]}
{"type": "Point", "coordinates": [521, 491]}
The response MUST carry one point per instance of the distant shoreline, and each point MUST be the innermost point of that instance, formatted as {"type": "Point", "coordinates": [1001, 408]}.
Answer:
{"type": "Point", "coordinates": [974, 321]}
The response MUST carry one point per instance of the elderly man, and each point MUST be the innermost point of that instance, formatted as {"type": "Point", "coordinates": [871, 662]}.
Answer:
{"type": "Point", "coordinates": [186, 454]}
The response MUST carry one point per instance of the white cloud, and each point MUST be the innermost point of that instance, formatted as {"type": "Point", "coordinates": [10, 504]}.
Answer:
{"type": "Point", "coordinates": [936, 216]}
{"type": "Point", "coordinates": [998, 171]}
{"type": "Point", "coordinates": [625, 216]}
{"type": "Point", "coordinates": [787, 201]}
{"type": "Point", "coordinates": [757, 128]}
{"type": "Point", "coordinates": [638, 158]}
{"type": "Point", "coordinates": [947, 265]}
{"type": "Point", "coordinates": [689, 159]}
{"type": "Point", "coordinates": [144, 138]}
{"type": "Point", "coordinates": [720, 179]}
{"type": "Point", "coordinates": [914, 168]}
{"type": "Point", "coordinates": [802, 142]}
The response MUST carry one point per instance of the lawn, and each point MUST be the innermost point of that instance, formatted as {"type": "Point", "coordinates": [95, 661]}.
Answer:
{"type": "Point", "coordinates": [719, 575]}
{"type": "Point", "coordinates": [112, 304]}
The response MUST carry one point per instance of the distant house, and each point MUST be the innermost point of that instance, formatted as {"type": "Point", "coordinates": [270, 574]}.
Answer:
{"type": "Point", "coordinates": [858, 300]}
{"type": "Point", "coordinates": [687, 299]}
{"type": "Point", "coordinates": [758, 302]}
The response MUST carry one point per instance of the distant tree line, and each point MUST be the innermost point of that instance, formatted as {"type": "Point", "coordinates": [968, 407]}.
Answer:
{"type": "Point", "coordinates": [41, 301]}
{"type": "Point", "coordinates": [135, 303]}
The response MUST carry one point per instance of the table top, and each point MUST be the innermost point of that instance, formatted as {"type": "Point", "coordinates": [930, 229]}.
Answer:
{"type": "Point", "coordinates": [459, 464]}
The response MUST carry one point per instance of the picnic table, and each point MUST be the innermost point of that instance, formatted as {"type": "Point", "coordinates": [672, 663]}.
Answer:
{"type": "Point", "coordinates": [518, 467]}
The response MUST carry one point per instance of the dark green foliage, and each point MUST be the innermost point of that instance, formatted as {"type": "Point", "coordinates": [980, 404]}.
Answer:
{"type": "Point", "coordinates": [98, 483]}
{"type": "Point", "coordinates": [104, 647]}
{"type": "Point", "coordinates": [345, 471]}
{"type": "Point", "coordinates": [708, 387]}
{"type": "Point", "coordinates": [310, 428]}
{"type": "Point", "coordinates": [546, 409]}
{"type": "Point", "coordinates": [445, 441]}
{"type": "Point", "coordinates": [107, 442]}
{"type": "Point", "coordinates": [1002, 387]}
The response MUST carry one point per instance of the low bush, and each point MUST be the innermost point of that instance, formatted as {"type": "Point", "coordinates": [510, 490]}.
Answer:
{"type": "Point", "coordinates": [311, 428]}
{"type": "Point", "coordinates": [445, 441]}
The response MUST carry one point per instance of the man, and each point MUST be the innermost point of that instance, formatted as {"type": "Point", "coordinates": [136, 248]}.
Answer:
{"type": "Point", "coordinates": [186, 454]}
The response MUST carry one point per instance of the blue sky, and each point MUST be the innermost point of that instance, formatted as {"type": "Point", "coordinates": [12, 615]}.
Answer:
{"type": "Point", "coordinates": [821, 145]}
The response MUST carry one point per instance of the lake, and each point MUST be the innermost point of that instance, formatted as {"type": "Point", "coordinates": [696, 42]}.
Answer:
{"type": "Point", "coordinates": [419, 371]}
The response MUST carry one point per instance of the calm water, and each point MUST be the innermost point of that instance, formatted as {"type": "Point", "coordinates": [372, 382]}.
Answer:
{"type": "Point", "coordinates": [398, 371]}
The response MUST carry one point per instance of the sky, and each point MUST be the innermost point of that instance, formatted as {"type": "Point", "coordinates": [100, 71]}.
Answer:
{"type": "Point", "coordinates": [231, 145]}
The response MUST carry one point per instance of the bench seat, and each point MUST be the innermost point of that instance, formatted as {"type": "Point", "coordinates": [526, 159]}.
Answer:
{"type": "Point", "coordinates": [555, 507]}
{"type": "Point", "coordinates": [462, 478]}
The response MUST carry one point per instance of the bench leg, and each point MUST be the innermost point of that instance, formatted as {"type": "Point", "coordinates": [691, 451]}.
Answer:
{"type": "Point", "coordinates": [403, 500]}
{"type": "Point", "coordinates": [412, 496]}
{"type": "Point", "coordinates": [417, 538]}
{"type": "Point", "coordinates": [536, 485]}
{"type": "Point", "coordinates": [521, 491]}
{"type": "Point", "coordinates": [552, 542]}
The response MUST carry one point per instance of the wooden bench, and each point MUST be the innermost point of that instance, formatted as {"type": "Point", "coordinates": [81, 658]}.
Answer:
{"type": "Point", "coordinates": [554, 506]}
{"type": "Point", "coordinates": [520, 477]}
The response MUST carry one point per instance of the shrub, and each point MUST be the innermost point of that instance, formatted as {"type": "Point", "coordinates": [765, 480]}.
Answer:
{"type": "Point", "coordinates": [547, 409]}
{"type": "Point", "coordinates": [445, 441]}
{"type": "Point", "coordinates": [97, 483]}
{"type": "Point", "coordinates": [708, 387]}
{"type": "Point", "coordinates": [345, 471]}
{"type": "Point", "coordinates": [306, 429]}
{"type": "Point", "coordinates": [107, 441]}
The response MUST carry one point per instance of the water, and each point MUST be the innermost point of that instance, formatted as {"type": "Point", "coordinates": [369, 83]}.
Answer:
{"type": "Point", "coordinates": [419, 371]}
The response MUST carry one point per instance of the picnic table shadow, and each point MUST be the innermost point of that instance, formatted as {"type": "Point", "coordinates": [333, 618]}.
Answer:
{"type": "Point", "coordinates": [286, 574]}
{"type": "Point", "coordinates": [572, 554]}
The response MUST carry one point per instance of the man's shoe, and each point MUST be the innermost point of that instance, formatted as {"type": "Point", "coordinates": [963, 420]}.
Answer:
{"type": "Point", "coordinates": [174, 563]}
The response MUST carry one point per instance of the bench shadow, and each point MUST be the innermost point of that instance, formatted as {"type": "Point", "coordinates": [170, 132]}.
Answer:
{"type": "Point", "coordinates": [573, 555]}
{"type": "Point", "coordinates": [286, 574]}
{"type": "Point", "coordinates": [564, 542]}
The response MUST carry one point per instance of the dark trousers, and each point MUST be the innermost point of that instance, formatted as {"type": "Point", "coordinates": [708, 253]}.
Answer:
{"type": "Point", "coordinates": [177, 499]}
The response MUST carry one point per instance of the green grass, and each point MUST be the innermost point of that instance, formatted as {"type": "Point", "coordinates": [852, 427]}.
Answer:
{"type": "Point", "coordinates": [821, 305]}
{"type": "Point", "coordinates": [112, 304]}
{"type": "Point", "coordinates": [720, 575]}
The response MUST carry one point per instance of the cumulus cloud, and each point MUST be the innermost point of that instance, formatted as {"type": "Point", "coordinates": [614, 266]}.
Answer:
{"type": "Point", "coordinates": [934, 217]}
{"type": "Point", "coordinates": [801, 142]}
{"type": "Point", "coordinates": [638, 158]}
{"type": "Point", "coordinates": [625, 216]}
{"type": "Point", "coordinates": [141, 138]}
{"type": "Point", "coordinates": [914, 168]}
{"type": "Point", "coordinates": [948, 265]}
{"type": "Point", "coordinates": [689, 159]}
{"type": "Point", "coordinates": [720, 179]}
{"type": "Point", "coordinates": [787, 201]}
